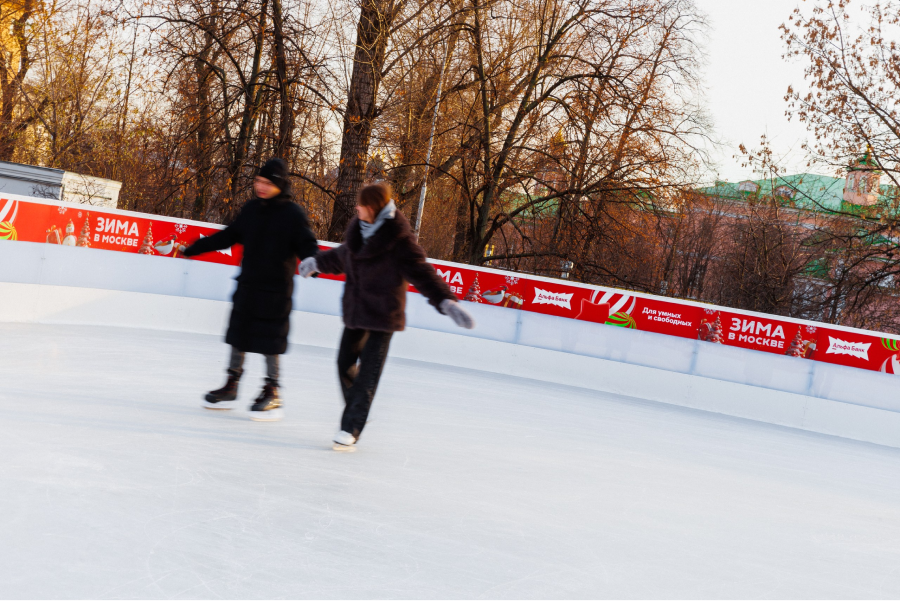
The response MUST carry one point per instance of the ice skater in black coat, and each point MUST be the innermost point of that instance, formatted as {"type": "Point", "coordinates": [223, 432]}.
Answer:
{"type": "Point", "coordinates": [379, 257]}
{"type": "Point", "coordinates": [275, 233]}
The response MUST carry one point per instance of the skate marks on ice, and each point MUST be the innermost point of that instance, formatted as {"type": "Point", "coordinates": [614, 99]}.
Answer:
{"type": "Point", "coordinates": [116, 483]}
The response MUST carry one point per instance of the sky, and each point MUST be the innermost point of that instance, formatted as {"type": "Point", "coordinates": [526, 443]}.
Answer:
{"type": "Point", "coordinates": [746, 82]}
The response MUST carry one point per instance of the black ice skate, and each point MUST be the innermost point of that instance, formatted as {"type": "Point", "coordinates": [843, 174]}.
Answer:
{"type": "Point", "coordinates": [222, 398]}
{"type": "Point", "coordinates": [267, 407]}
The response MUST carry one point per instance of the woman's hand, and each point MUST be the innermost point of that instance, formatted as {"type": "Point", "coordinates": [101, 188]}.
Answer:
{"type": "Point", "coordinates": [460, 316]}
{"type": "Point", "coordinates": [308, 267]}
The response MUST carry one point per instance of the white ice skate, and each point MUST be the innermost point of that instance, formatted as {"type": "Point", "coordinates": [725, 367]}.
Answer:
{"type": "Point", "coordinates": [344, 442]}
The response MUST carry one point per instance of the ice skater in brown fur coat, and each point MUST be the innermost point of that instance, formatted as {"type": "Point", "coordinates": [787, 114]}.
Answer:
{"type": "Point", "coordinates": [379, 258]}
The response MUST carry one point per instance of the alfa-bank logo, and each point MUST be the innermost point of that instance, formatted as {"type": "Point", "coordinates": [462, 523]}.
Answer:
{"type": "Point", "coordinates": [854, 349]}
{"type": "Point", "coordinates": [560, 299]}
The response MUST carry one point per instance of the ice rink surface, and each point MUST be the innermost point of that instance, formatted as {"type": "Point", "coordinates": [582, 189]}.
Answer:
{"type": "Point", "coordinates": [114, 482]}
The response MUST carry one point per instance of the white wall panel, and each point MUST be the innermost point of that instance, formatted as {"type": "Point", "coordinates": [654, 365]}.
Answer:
{"type": "Point", "coordinates": [752, 367]}
{"type": "Point", "coordinates": [90, 268]}
{"type": "Point", "coordinates": [62, 284]}
{"type": "Point", "coordinates": [210, 281]}
{"type": "Point", "coordinates": [66, 304]}
{"type": "Point", "coordinates": [493, 323]}
{"type": "Point", "coordinates": [856, 386]}
{"type": "Point", "coordinates": [21, 262]}
{"type": "Point", "coordinates": [318, 295]}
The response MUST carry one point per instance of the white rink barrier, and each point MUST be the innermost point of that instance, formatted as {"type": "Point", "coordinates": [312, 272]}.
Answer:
{"type": "Point", "coordinates": [46, 283]}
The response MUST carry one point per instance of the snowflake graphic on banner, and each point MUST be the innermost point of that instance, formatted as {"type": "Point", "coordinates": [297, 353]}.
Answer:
{"type": "Point", "coordinates": [180, 228]}
{"type": "Point", "coordinates": [62, 210]}
{"type": "Point", "coordinates": [512, 280]}
{"type": "Point", "coordinates": [79, 214]}
{"type": "Point", "coordinates": [812, 329]}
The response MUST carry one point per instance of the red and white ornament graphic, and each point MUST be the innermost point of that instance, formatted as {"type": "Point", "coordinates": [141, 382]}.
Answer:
{"type": "Point", "coordinates": [891, 365]}
{"type": "Point", "coordinates": [8, 211]}
{"type": "Point", "coordinates": [618, 302]}
{"type": "Point", "coordinates": [616, 306]}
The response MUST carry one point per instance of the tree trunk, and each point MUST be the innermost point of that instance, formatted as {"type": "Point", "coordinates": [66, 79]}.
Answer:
{"type": "Point", "coordinates": [253, 92]}
{"type": "Point", "coordinates": [477, 240]}
{"type": "Point", "coordinates": [286, 121]}
{"type": "Point", "coordinates": [203, 156]}
{"type": "Point", "coordinates": [372, 34]}
{"type": "Point", "coordinates": [462, 239]}
{"type": "Point", "coordinates": [11, 87]}
{"type": "Point", "coordinates": [420, 105]}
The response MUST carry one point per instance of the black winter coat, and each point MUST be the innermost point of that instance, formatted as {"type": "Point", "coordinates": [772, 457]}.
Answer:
{"type": "Point", "coordinates": [275, 233]}
{"type": "Point", "coordinates": [378, 274]}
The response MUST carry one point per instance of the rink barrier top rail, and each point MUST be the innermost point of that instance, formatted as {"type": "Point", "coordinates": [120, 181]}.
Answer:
{"type": "Point", "coordinates": [78, 225]}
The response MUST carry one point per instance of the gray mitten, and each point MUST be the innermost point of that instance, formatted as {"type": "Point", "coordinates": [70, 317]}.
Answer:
{"type": "Point", "coordinates": [308, 267]}
{"type": "Point", "coordinates": [460, 316]}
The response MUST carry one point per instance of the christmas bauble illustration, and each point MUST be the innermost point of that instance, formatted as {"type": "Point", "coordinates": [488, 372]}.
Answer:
{"type": "Point", "coordinates": [891, 365]}
{"type": "Point", "coordinates": [8, 211]}
{"type": "Point", "coordinates": [618, 302]}
{"type": "Point", "coordinates": [623, 320]}
{"type": "Point", "coordinates": [7, 231]}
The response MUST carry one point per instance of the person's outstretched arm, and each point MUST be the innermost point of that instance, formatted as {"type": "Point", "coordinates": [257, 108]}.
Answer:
{"type": "Point", "coordinates": [221, 240]}
{"type": "Point", "coordinates": [304, 241]}
{"type": "Point", "coordinates": [418, 272]}
{"type": "Point", "coordinates": [327, 261]}
{"type": "Point", "coordinates": [423, 276]}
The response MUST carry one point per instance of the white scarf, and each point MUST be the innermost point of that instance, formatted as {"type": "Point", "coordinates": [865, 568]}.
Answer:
{"type": "Point", "coordinates": [368, 229]}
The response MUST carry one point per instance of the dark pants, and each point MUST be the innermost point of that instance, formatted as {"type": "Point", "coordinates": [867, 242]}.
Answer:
{"type": "Point", "coordinates": [236, 366]}
{"type": "Point", "coordinates": [359, 381]}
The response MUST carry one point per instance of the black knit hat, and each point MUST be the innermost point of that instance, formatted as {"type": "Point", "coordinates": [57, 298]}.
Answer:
{"type": "Point", "coordinates": [276, 171]}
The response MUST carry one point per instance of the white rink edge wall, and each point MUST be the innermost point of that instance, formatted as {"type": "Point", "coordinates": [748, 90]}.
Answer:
{"type": "Point", "coordinates": [481, 268]}
{"type": "Point", "coordinates": [41, 283]}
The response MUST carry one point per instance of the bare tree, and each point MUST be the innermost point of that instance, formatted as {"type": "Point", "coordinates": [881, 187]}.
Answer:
{"type": "Point", "coordinates": [597, 109]}
{"type": "Point", "coordinates": [15, 62]}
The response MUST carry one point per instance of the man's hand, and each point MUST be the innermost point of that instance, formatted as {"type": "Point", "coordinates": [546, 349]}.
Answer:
{"type": "Point", "coordinates": [460, 316]}
{"type": "Point", "coordinates": [308, 267]}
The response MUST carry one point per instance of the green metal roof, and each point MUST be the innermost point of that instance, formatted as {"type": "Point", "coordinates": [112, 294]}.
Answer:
{"type": "Point", "coordinates": [809, 191]}
{"type": "Point", "coordinates": [804, 191]}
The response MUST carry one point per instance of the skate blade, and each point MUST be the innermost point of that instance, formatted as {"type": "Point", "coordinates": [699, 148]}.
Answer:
{"type": "Point", "coordinates": [343, 448]}
{"type": "Point", "coordinates": [273, 415]}
{"type": "Point", "coordinates": [220, 406]}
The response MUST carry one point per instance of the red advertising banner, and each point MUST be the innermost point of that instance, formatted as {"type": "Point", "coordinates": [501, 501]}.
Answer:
{"type": "Point", "coordinates": [760, 333]}
{"type": "Point", "coordinates": [575, 301]}
{"type": "Point", "coordinates": [53, 222]}
{"type": "Point", "coordinates": [865, 350]}
{"type": "Point", "coordinates": [93, 227]}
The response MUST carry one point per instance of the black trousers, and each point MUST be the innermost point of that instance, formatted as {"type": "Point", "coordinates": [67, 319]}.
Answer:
{"type": "Point", "coordinates": [360, 362]}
